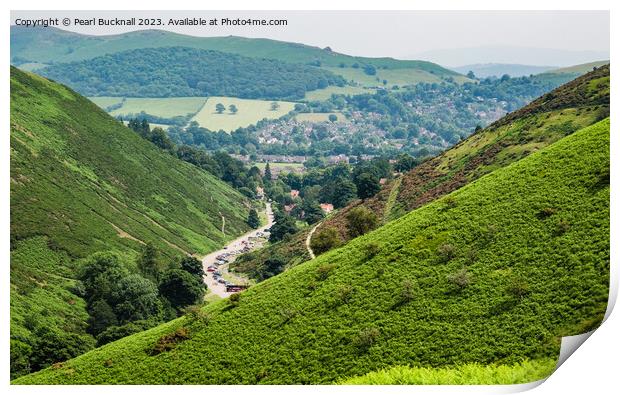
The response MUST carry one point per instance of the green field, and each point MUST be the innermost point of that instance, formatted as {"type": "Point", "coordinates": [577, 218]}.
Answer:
{"type": "Point", "coordinates": [398, 77]}
{"type": "Point", "coordinates": [167, 107]}
{"type": "Point", "coordinates": [106, 101]}
{"type": "Point", "coordinates": [250, 112]}
{"type": "Point", "coordinates": [324, 94]}
{"type": "Point", "coordinates": [319, 117]}
{"type": "Point", "coordinates": [493, 274]}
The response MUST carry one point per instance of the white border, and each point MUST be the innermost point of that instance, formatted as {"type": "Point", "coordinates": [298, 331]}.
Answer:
{"type": "Point", "coordinates": [593, 368]}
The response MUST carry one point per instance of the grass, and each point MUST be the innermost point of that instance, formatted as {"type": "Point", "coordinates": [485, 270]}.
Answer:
{"type": "Point", "coordinates": [167, 107]}
{"type": "Point", "coordinates": [399, 77]}
{"type": "Point", "coordinates": [82, 183]}
{"type": "Point", "coordinates": [250, 112]}
{"type": "Point", "coordinates": [324, 94]}
{"type": "Point", "coordinates": [468, 374]}
{"type": "Point", "coordinates": [319, 117]}
{"type": "Point", "coordinates": [514, 282]}
{"type": "Point", "coordinates": [106, 101]}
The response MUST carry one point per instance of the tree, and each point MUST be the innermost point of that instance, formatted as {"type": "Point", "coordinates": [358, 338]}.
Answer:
{"type": "Point", "coordinates": [101, 316]}
{"type": "Point", "coordinates": [405, 162]}
{"type": "Point", "coordinates": [160, 138]}
{"type": "Point", "coordinates": [367, 185]}
{"type": "Point", "coordinates": [273, 266]}
{"type": "Point", "coordinates": [100, 276]}
{"type": "Point", "coordinates": [193, 266]}
{"type": "Point", "coordinates": [284, 225]}
{"type": "Point", "coordinates": [325, 240]}
{"type": "Point", "coordinates": [370, 69]}
{"type": "Point", "coordinates": [332, 118]}
{"type": "Point", "coordinates": [471, 75]}
{"type": "Point", "coordinates": [267, 175]}
{"type": "Point", "coordinates": [181, 288]}
{"type": "Point", "coordinates": [135, 298]}
{"type": "Point", "coordinates": [275, 106]}
{"type": "Point", "coordinates": [233, 109]}
{"type": "Point", "coordinates": [220, 108]}
{"type": "Point", "coordinates": [148, 263]}
{"type": "Point", "coordinates": [312, 211]}
{"type": "Point", "coordinates": [361, 220]}
{"type": "Point", "coordinates": [253, 220]}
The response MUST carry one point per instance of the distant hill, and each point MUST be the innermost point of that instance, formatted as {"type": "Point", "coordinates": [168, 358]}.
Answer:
{"type": "Point", "coordinates": [182, 72]}
{"type": "Point", "coordinates": [82, 183]}
{"type": "Point", "coordinates": [34, 47]}
{"type": "Point", "coordinates": [510, 55]}
{"type": "Point", "coordinates": [494, 273]}
{"type": "Point", "coordinates": [578, 69]}
{"type": "Point", "coordinates": [500, 69]}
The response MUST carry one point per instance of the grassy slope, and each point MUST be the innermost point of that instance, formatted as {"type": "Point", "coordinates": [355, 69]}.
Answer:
{"type": "Point", "coordinates": [77, 175]}
{"type": "Point", "coordinates": [250, 112]}
{"type": "Point", "coordinates": [570, 107]}
{"type": "Point", "coordinates": [81, 183]}
{"type": "Point", "coordinates": [54, 45]}
{"type": "Point", "coordinates": [343, 314]}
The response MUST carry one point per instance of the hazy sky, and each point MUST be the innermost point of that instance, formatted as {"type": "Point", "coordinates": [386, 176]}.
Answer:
{"type": "Point", "coordinates": [575, 36]}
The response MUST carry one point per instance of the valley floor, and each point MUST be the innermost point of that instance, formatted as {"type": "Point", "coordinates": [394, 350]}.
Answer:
{"type": "Point", "coordinates": [251, 240]}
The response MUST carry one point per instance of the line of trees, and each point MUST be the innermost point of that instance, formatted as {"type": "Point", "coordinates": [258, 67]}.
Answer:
{"type": "Point", "coordinates": [121, 302]}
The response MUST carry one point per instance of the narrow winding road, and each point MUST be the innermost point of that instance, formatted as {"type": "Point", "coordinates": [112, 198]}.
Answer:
{"type": "Point", "coordinates": [232, 250]}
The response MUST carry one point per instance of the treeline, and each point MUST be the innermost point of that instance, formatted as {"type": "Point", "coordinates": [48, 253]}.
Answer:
{"type": "Point", "coordinates": [121, 302]}
{"type": "Point", "coordinates": [181, 71]}
{"type": "Point", "coordinates": [220, 164]}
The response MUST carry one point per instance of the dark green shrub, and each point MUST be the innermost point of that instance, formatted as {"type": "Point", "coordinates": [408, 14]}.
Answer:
{"type": "Point", "coordinates": [361, 220]}
{"type": "Point", "coordinates": [344, 293]}
{"type": "Point", "coordinates": [325, 240]}
{"type": "Point", "coordinates": [518, 288]}
{"type": "Point", "coordinates": [371, 249]}
{"type": "Point", "coordinates": [324, 270]}
{"type": "Point", "coordinates": [446, 252]}
{"type": "Point", "coordinates": [460, 279]}
{"type": "Point", "coordinates": [366, 338]}
{"type": "Point", "coordinates": [170, 341]}
{"type": "Point", "coordinates": [546, 212]}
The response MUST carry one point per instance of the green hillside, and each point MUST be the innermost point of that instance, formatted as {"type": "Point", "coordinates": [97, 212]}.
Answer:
{"type": "Point", "coordinates": [50, 45]}
{"type": "Point", "coordinates": [493, 273]}
{"type": "Point", "coordinates": [580, 68]}
{"type": "Point", "coordinates": [82, 183]}
{"type": "Point", "coordinates": [183, 71]}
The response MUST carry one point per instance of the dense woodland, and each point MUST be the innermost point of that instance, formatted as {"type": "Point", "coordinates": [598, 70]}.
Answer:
{"type": "Point", "coordinates": [180, 71]}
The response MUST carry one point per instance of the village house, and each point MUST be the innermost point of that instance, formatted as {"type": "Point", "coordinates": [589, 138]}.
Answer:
{"type": "Point", "coordinates": [327, 207]}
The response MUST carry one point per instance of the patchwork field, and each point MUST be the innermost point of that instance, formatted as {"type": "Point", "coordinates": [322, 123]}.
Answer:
{"type": "Point", "coordinates": [324, 94]}
{"type": "Point", "coordinates": [319, 116]}
{"type": "Point", "coordinates": [249, 112]}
